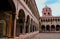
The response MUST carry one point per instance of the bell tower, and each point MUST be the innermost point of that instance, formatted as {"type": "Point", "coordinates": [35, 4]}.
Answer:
{"type": "Point", "coordinates": [46, 11]}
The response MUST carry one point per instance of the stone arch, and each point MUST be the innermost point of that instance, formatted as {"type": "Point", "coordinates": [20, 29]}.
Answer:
{"type": "Point", "coordinates": [27, 23]}
{"type": "Point", "coordinates": [20, 22]}
{"type": "Point", "coordinates": [52, 27]}
{"type": "Point", "coordinates": [57, 27]}
{"type": "Point", "coordinates": [47, 27]}
{"type": "Point", "coordinates": [43, 27]}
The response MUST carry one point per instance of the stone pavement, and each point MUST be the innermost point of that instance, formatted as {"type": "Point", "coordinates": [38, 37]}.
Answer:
{"type": "Point", "coordinates": [47, 36]}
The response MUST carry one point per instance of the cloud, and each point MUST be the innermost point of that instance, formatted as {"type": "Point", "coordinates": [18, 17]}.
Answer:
{"type": "Point", "coordinates": [50, 1]}
{"type": "Point", "coordinates": [55, 9]}
{"type": "Point", "coordinates": [40, 1]}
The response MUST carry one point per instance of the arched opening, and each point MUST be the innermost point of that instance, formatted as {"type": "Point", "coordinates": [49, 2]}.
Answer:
{"type": "Point", "coordinates": [52, 28]}
{"type": "Point", "coordinates": [27, 23]}
{"type": "Point", "coordinates": [47, 28]}
{"type": "Point", "coordinates": [20, 23]}
{"type": "Point", "coordinates": [57, 27]}
{"type": "Point", "coordinates": [43, 27]}
{"type": "Point", "coordinates": [44, 14]}
{"type": "Point", "coordinates": [49, 14]}
{"type": "Point", "coordinates": [7, 13]}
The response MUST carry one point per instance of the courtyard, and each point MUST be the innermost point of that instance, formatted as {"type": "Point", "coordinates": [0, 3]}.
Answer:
{"type": "Point", "coordinates": [47, 36]}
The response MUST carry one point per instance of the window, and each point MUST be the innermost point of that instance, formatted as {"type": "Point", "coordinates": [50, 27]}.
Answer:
{"type": "Point", "coordinates": [24, 0]}
{"type": "Point", "coordinates": [44, 13]}
{"type": "Point", "coordinates": [58, 19]}
{"type": "Point", "coordinates": [49, 14]}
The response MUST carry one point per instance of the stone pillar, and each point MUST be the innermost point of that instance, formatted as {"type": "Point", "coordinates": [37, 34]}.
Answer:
{"type": "Point", "coordinates": [29, 29]}
{"type": "Point", "coordinates": [45, 28]}
{"type": "Point", "coordinates": [50, 28]}
{"type": "Point", "coordinates": [32, 28]}
{"type": "Point", "coordinates": [15, 26]}
{"type": "Point", "coordinates": [23, 30]}
{"type": "Point", "coordinates": [55, 28]}
{"type": "Point", "coordinates": [24, 25]}
{"type": "Point", "coordinates": [29, 26]}
{"type": "Point", "coordinates": [10, 26]}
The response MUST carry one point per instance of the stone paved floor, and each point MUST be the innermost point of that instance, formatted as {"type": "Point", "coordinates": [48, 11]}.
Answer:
{"type": "Point", "coordinates": [47, 36]}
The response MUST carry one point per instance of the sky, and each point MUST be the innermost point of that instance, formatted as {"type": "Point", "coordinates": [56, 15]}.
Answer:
{"type": "Point", "coordinates": [53, 4]}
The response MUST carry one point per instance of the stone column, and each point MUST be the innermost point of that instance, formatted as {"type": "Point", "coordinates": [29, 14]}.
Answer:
{"type": "Point", "coordinates": [32, 28]}
{"type": "Point", "coordinates": [10, 26]}
{"type": "Point", "coordinates": [50, 28]}
{"type": "Point", "coordinates": [23, 30]}
{"type": "Point", "coordinates": [24, 25]}
{"type": "Point", "coordinates": [45, 28]}
{"type": "Point", "coordinates": [55, 28]}
{"type": "Point", "coordinates": [29, 27]}
{"type": "Point", "coordinates": [15, 26]}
